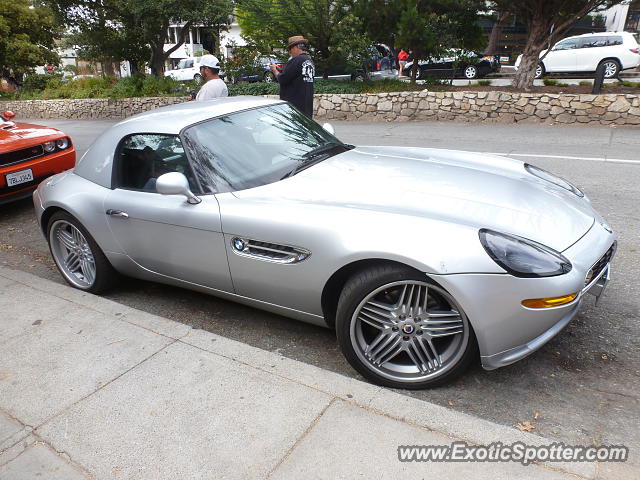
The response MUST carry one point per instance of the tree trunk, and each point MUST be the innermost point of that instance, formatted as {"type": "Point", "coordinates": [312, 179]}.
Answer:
{"type": "Point", "coordinates": [496, 31]}
{"type": "Point", "coordinates": [536, 42]}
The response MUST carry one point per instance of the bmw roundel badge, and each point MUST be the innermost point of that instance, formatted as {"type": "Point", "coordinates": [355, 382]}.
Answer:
{"type": "Point", "coordinates": [239, 244]}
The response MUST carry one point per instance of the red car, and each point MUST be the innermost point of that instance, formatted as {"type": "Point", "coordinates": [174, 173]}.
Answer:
{"type": "Point", "coordinates": [29, 154]}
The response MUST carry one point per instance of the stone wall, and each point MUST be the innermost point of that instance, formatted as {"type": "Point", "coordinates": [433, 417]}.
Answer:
{"type": "Point", "coordinates": [493, 106]}
{"type": "Point", "coordinates": [476, 106]}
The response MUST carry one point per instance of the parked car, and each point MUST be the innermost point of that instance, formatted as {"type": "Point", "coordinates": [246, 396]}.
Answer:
{"type": "Point", "coordinates": [28, 154]}
{"type": "Point", "coordinates": [188, 69]}
{"type": "Point", "coordinates": [262, 72]}
{"type": "Point", "coordinates": [458, 63]}
{"type": "Point", "coordinates": [617, 51]}
{"type": "Point", "coordinates": [379, 65]}
{"type": "Point", "coordinates": [419, 258]}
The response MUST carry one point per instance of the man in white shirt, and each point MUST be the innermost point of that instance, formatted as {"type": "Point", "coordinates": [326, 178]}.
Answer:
{"type": "Point", "coordinates": [214, 86]}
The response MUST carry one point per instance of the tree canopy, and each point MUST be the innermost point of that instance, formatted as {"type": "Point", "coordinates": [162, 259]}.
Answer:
{"type": "Point", "coordinates": [136, 30]}
{"type": "Point", "coordinates": [333, 30]}
{"type": "Point", "coordinates": [27, 35]}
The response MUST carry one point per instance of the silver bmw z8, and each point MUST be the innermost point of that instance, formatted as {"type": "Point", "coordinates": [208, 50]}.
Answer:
{"type": "Point", "coordinates": [421, 259]}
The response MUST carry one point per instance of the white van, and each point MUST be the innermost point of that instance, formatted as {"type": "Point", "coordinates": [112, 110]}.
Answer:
{"type": "Point", "coordinates": [583, 53]}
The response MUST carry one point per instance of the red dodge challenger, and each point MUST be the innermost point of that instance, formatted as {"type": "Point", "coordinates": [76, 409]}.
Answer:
{"type": "Point", "coordinates": [29, 154]}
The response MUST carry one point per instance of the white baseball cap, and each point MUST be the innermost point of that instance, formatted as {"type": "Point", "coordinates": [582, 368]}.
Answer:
{"type": "Point", "coordinates": [209, 61]}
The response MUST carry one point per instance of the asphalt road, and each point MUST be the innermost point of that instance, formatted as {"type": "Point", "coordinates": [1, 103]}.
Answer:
{"type": "Point", "coordinates": [582, 387]}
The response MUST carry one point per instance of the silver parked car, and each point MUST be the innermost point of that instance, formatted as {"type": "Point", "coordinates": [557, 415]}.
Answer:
{"type": "Point", "coordinates": [421, 259]}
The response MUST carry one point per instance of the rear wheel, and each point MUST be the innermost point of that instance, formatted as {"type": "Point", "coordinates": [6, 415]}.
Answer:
{"type": "Point", "coordinates": [197, 78]}
{"type": "Point", "coordinates": [402, 331]}
{"type": "Point", "coordinates": [611, 68]}
{"type": "Point", "coordinates": [78, 257]}
{"type": "Point", "coordinates": [540, 71]}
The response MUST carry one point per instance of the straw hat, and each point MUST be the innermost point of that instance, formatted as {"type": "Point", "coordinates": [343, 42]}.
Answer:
{"type": "Point", "coordinates": [295, 40]}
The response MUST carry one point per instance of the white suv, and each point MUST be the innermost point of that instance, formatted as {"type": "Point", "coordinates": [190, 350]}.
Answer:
{"type": "Point", "coordinates": [188, 69]}
{"type": "Point", "coordinates": [583, 53]}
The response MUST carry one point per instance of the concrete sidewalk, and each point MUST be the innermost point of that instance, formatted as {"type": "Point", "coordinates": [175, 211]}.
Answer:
{"type": "Point", "coordinates": [93, 389]}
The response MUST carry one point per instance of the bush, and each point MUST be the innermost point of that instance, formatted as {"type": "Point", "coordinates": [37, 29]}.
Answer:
{"type": "Point", "coordinates": [37, 81]}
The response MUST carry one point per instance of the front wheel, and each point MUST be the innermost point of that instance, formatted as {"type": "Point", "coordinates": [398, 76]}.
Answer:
{"type": "Point", "coordinates": [78, 257]}
{"type": "Point", "coordinates": [539, 71]}
{"type": "Point", "coordinates": [400, 330]}
{"type": "Point", "coordinates": [269, 77]}
{"type": "Point", "coordinates": [471, 72]}
{"type": "Point", "coordinates": [197, 78]}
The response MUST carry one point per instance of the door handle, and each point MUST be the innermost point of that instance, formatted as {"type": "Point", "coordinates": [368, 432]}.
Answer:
{"type": "Point", "coordinates": [117, 213]}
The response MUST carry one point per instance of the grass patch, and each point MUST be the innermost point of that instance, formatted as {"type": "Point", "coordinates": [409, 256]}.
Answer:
{"type": "Point", "coordinates": [484, 83]}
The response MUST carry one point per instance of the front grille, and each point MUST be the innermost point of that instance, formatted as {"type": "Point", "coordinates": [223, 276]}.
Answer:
{"type": "Point", "coordinates": [601, 264]}
{"type": "Point", "coordinates": [21, 155]}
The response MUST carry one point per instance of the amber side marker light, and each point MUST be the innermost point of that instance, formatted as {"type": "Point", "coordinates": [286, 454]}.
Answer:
{"type": "Point", "coordinates": [549, 302]}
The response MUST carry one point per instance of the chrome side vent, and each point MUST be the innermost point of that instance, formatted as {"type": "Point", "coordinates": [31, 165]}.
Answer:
{"type": "Point", "coordinates": [271, 252]}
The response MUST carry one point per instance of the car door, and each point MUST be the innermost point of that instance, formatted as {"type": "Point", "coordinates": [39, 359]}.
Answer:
{"type": "Point", "coordinates": [164, 233]}
{"type": "Point", "coordinates": [589, 53]}
{"type": "Point", "coordinates": [562, 57]}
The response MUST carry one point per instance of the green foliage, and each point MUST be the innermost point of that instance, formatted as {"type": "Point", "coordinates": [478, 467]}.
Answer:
{"type": "Point", "coordinates": [550, 82]}
{"type": "Point", "coordinates": [430, 28]}
{"type": "Point", "coordinates": [484, 83]}
{"type": "Point", "coordinates": [135, 30]}
{"type": "Point", "coordinates": [27, 33]}
{"type": "Point", "coordinates": [37, 81]}
{"type": "Point", "coordinates": [328, 86]}
{"type": "Point", "coordinates": [334, 32]}
{"type": "Point", "coordinates": [626, 83]}
{"type": "Point", "coordinates": [585, 83]}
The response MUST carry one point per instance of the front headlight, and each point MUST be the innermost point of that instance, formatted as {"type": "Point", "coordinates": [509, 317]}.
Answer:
{"type": "Point", "coordinates": [522, 257]}
{"type": "Point", "coordinates": [62, 143]}
{"type": "Point", "coordinates": [49, 146]}
{"type": "Point", "coordinates": [550, 177]}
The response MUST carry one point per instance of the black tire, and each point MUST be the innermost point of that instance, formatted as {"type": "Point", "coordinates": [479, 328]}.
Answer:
{"type": "Point", "coordinates": [540, 70]}
{"type": "Point", "coordinates": [611, 67]}
{"type": "Point", "coordinates": [104, 277]}
{"type": "Point", "coordinates": [421, 74]}
{"type": "Point", "coordinates": [350, 331]}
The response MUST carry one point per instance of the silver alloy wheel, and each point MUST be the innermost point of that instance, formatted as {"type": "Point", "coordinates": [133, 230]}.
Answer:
{"type": "Point", "coordinates": [269, 77]}
{"type": "Point", "coordinates": [72, 253]}
{"type": "Point", "coordinates": [610, 68]}
{"type": "Point", "coordinates": [539, 71]}
{"type": "Point", "coordinates": [409, 331]}
{"type": "Point", "coordinates": [471, 72]}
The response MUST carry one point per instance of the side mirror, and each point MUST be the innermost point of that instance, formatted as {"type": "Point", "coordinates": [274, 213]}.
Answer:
{"type": "Point", "coordinates": [8, 115]}
{"type": "Point", "coordinates": [175, 183]}
{"type": "Point", "coordinates": [329, 128]}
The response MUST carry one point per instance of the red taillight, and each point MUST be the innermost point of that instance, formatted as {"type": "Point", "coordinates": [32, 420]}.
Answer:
{"type": "Point", "coordinates": [279, 65]}
{"type": "Point", "coordinates": [635, 50]}
{"type": "Point", "coordinates": [377, 65]}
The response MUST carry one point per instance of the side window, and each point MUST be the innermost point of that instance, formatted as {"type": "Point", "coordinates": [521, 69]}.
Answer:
{"type": "Point", "coordinates": [614, 40]}
{"type": "Point", "coordinates": [188, 64]}
{"type": "Point", "coordinates": [590, 42]}
{"type": "Point", "coordinates": [566, 44]}
{"type": "Point", "coordinates": [142, 158]}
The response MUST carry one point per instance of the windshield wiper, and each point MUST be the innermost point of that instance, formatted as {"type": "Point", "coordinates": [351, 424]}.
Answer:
{"type": "Point", "coordinates": [317, 155]}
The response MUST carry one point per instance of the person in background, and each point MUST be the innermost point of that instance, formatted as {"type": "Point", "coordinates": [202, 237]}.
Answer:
{"type": "Point", "coordinates": [296, 78]}
{"type": "Point", "coordinates": [214, 86]}
{"type": "Point", "coordinates": [402, 60]}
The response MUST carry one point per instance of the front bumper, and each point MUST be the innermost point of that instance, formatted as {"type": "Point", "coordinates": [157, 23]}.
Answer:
{"type": "Point", "coordinates": [506, 330]}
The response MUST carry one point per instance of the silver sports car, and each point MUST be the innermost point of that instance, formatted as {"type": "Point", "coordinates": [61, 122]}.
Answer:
{"type": "Point", "coordinates": [421, 259]}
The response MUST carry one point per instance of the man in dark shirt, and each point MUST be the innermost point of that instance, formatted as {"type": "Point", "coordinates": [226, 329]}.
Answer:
{"type": "Point", "coordinates": [296, 78]}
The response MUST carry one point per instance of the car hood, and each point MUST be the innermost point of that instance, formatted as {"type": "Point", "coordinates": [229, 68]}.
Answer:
{"type": "Point", "coordinates": [480, 191]}
{"type": "Point", "coordinates": [24, 134]}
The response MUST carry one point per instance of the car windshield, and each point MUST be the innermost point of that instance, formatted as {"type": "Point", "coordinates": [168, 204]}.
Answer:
{"type": "Point", "coordinates": [256, 147]}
